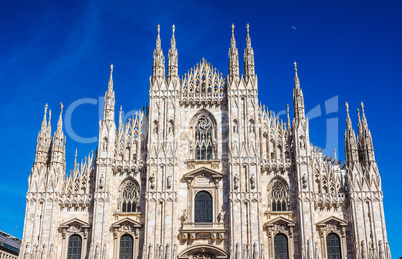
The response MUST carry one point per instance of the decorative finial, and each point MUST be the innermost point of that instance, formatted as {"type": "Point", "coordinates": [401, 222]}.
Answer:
{"type": "Point", "coordinates": [233, 30]}
{"type": "Point", "coordinates": [173, 29]}
{"type": "Point", "coordinates": [111, 68]}
{"type": "Point", "coordinates": [61, 108]}
{"type": "Point", "coordinates": [335, 153]}
{"type": "Point", "coordinates": [248, 30]}
{"type": "Point", "coordinates": [347, 108]}
{"type": "Point", "coordinates": [46, 108]}
{"type": "Point", "coordinates": [159, 31]}
{"type": "Point", "coordinates": [295, 67]}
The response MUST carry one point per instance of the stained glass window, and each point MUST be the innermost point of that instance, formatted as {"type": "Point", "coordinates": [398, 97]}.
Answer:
{"type": "Point", "coordinates": [74, 247]}
{"type": "Point", "coordinates": [333, 246]}
{"type": "Point", "coordinates": [130, 197]}
{"type": "Point", "coordinates": [279, 195]}
{"type": "Point", "coordinates": [126, 247]}
{"type": "Point", "coordinates": [203, 139]}
{"type": "Point", "coordinates": [203, 207]}
{"type": "Point", "coordinates": [281, 246]}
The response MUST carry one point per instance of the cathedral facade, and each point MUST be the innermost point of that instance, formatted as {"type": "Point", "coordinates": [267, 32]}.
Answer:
{"type": "Point", "coordinates": [205, 171]}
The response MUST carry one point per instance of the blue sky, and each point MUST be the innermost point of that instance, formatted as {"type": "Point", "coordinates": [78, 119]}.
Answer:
{"type": "Point", "coordinates": [60, 51]}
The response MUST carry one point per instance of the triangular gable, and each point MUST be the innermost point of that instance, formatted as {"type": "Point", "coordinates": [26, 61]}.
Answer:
{"type": "Point", "coordinates": [74, 221]}
{"type": "Point", "coordinates": [273, 221]}
{"type": "Point", "coordinates": [341, 222]}
{"type": "Point", "coordinates": [202, 170]}
{"type": "Point", "coordinates": [126, 220]}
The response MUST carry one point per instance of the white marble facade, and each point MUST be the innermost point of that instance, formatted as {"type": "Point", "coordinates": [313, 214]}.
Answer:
{"type": "Point", "coordinates": [205, 171]}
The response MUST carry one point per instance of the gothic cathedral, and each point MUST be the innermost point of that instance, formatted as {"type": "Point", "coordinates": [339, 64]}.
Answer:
{"type": "Point", "coordinates": [205, 172]}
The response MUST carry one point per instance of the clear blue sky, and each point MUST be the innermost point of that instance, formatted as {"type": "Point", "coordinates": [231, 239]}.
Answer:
{"type": "Point", "coordinates": [60, 51]}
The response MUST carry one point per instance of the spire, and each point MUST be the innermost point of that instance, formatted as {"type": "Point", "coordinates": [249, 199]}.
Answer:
{"type": "Point", "coordinates": [60, 121]}
{"type": "Point", "coordinates": [297, 81]}
{"type": "Point", "coordinates": [288, 117]}
{"type": "Point", "coordinates": [249, 67]}
{"type": "Point", "coordinates": [348, 120]}
{"type": "Point", "coordinates": [233, 59]}
{"type": "Point", "coordinates": [248, 39]}
{"type": "Point", "coordinates": [58, 143]}
{"type": "Point", "coordinates": [158, 68]}
{"type": "Point", "coordinates": [173, 59]}
{"type": "Point", "coordinates": [43, 127]}
{"type": "Point", "coordinates": [108, 108]}
{"type": "Point", "coordinates": [110, 85]}
{"type": "Point", "coordinates": [75, 161]}
{"type": "Point", "coordinates": [365, 141]}
{"type": "Point", "coordinates": [298, 100]}
{"type": "Point", "coordinates": [351, 154]}
{"type": "Point", "coordinates": [44, 140]}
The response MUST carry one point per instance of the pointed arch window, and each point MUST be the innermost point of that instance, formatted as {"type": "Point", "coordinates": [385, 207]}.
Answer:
{"type": "Point", "coordinates": [281, 246]}
{"type": "Point", "coordinates": [74, 247]}
{"type": "Point", "coordinates": [279, 196]}
{"type": "Point", "coordinates": [203, 207]}
{"type": "Point", "coordinates": [333, 246]}
{"type": "Point", "coordinates": [130, 197]}
{"type": "Point", "coordinates": [203, 139]}
{"type": "Point", "coordinates": [126, 247]}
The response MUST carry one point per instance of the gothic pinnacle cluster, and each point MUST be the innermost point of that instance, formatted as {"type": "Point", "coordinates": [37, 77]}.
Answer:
{"type": "Point", "coordinates": [206, 171]}
{"type": "Point", "coordinates": [158, 69]}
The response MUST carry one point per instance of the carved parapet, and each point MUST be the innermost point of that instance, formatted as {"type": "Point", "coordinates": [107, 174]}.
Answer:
{"type": "Point", "coordinates": [268, 165]}
{"type": "Point", "coordinates": [205, 230]}
{"type": "Point", "coordinates": [329, 200]}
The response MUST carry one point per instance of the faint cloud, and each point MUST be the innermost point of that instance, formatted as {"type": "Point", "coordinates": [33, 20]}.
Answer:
{"type": "Point", "coordinates": [293, 27]}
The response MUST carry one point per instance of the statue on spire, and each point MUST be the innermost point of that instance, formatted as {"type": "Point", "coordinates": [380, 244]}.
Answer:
{"type": "Point", "coordinates": [233, 59]}
{"type": "Point", "coordinates": [173, 59]}
{"type": "Point", "coordinates": [249, 66]}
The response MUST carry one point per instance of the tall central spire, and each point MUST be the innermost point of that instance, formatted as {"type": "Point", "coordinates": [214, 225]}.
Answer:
{"type": "Point", "coordinates": [298, 100]}
{"type": "Point", "coordinates": [249, 67]}
{"type": "Point", "coordinates": [158, 68]}
{"type": "Point", "coordinates": [173, 59]}
{"type": "Point", "coordinates": [108, 109]}
{"type": "Point", "coordinates": [233, 59]}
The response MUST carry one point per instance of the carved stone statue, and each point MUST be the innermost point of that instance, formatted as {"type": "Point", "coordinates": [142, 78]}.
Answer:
{"type": "Point", "coordinates": [222, 216]}
{"type": "Point", "coordinates": [236, 181]}
{"type": "Point", "coordinates": [169, 182]}
{"type": "Point", "coordinates": [252, 181]}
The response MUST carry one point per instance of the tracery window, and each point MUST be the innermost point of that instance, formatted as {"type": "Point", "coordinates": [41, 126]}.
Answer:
{"type": "Point", "coordinates": [203, 139]}
{"type": "Point", "coordinates": [126, 247]}
{"type": "Point", "coordinates": [333, 246]}
{"type": "Point", "coordinates": [130, 197]}
{"type": "Point", "coordinates": [203, 207]}
{"type": "Point", "coordinates": [281, 246]}
{"type": "Point", "coordinates": [74, 247]}
{"type": "Point", "coordinates": [279, 196]}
